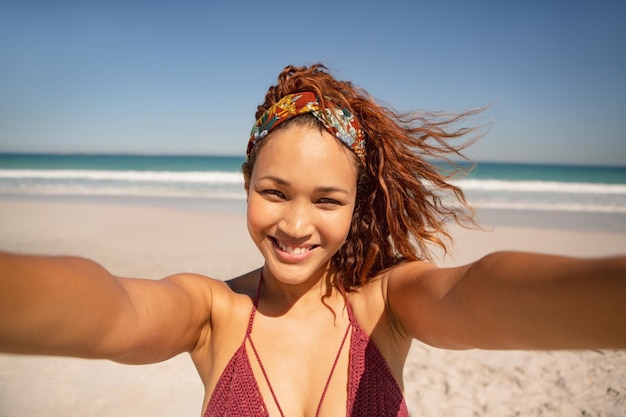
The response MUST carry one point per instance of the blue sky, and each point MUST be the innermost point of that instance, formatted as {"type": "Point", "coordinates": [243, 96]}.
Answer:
{"type": "Point", "coordinates": [185, 77]}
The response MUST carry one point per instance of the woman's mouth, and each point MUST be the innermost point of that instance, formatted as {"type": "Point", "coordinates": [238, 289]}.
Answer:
{"type": "Point", "coordinates": [292, 249]}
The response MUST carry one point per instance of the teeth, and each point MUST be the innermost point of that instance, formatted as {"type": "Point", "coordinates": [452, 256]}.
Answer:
{"type": "Point", "coordinates": [291, 250]}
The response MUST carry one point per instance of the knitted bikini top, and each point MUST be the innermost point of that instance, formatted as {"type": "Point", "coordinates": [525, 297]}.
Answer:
{"type": "Point", "coordinates": [372, 389]}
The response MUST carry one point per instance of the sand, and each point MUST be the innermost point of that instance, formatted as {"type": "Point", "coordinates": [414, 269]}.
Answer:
{"type": "Point", "coordinates": [153, 242]}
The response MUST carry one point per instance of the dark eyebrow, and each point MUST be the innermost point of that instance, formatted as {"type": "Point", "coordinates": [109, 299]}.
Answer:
{"type": "Point", "coordinates": [333, 190]}
{"type": "Point", "coordinates": [277, 180]}
{"type": "Point", "coordinates": [281, 181]}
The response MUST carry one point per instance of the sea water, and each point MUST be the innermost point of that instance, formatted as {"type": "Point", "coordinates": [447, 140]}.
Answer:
{"type": "Point", "coordinates": [215, 177]}
{"type": "Point", "coordinates": [493, 186]}
{"type": "Point", "coordinates": [547, 187]}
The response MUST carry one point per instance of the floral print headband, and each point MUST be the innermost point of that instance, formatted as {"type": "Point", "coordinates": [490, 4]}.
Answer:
{"type": "Point", "coordinates": [339, 122]}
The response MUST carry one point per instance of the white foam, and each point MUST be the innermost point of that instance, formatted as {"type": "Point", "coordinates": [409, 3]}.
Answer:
{"type": "Point", "coordinates": [135, 176]}
{"type": "Point", "coordinates": [541, 186]}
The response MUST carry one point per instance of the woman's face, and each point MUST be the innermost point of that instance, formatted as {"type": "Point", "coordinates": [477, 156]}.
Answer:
{"type": "Point", "coordinates": [301, 195]}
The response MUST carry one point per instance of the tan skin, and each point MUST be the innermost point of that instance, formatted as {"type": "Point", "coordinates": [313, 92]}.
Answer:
{"type": "Point", "coordinates": [300, 200]}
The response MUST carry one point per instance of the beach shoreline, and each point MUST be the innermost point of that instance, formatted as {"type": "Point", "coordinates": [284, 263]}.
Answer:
{"type": "Point", "coordinates": [153, 241]}
{"type": "Point", "coordinates": [488, 217]}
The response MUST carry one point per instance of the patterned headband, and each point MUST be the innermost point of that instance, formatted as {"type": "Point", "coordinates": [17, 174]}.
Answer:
{"type": "Point", "coordinates": [340, 122]}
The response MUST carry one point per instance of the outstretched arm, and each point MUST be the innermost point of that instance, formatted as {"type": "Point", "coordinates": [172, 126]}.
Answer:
{"type": "Point", "coordinates": [73, 307]}
{"type": "Point", "coordinates": [511, 300]}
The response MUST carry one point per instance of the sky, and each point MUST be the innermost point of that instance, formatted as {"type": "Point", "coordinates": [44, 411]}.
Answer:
{"type": "Point", "coordinates": [185, 77]}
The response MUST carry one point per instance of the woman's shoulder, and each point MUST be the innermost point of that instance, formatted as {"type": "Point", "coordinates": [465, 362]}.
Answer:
{"type": "Point", "coordinates": [377, 286]}
{"type": "Point", "coordinates": [408, 270]}
{"type": "Point", "coordinates": [234, 296]}
{"type": "Point", "coordinates": [244, 285]}
{"type": "Point", "coordinates": [218, 301]}
{"type": "Point", "coordinates": [371, 301]}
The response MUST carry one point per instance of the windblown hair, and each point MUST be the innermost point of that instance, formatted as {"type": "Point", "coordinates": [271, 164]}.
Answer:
{"type": "Point", "coordinates": [403, 199]}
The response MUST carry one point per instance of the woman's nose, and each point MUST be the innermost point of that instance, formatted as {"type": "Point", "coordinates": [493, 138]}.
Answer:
{"type": "Point", "coordinates": [296, 220]}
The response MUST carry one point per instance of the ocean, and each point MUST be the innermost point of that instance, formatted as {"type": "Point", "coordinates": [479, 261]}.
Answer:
{"type": "Point", "coordinates": [203, 181]}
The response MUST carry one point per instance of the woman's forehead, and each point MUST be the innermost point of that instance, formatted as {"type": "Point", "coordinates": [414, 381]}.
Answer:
{"type": "Point", "coordinates": [306, 151]}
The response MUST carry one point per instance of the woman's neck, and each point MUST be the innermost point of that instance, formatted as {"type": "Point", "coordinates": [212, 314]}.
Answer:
{"type": "Point", "coordinates": [278, 298]}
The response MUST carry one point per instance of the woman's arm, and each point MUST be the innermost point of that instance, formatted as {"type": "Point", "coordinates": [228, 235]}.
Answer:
{"type": "Point", "coordinates": [73, 307]}
{"type": "Point", "coordinates": [511, 300]}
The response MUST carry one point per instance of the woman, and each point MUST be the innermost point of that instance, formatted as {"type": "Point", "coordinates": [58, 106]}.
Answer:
{"type": "Point", "coordinates": [342, 204]}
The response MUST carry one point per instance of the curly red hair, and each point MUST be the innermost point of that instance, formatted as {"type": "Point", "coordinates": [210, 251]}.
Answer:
{"type": "Point", "coordinates": [403, 199]}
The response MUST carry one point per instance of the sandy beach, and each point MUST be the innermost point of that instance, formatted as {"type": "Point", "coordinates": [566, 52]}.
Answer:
{"type": "Point", "coordinates": [152, 242]}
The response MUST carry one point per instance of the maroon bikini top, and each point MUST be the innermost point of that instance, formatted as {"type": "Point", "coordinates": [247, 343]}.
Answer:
{"type": "Point", "coordinates": [372, 389]}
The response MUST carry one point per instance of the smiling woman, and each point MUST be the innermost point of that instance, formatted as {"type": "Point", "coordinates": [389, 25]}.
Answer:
{"type": "Point", "coordinates": [343, 203]}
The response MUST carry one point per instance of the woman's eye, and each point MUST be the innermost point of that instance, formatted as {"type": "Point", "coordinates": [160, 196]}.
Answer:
{"type": "Point", "coordinates": [328, 202]}
{"type": "Point", "coordinates": [274, 194]}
